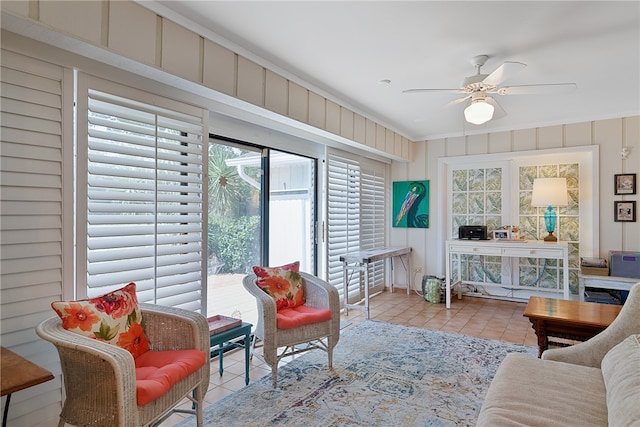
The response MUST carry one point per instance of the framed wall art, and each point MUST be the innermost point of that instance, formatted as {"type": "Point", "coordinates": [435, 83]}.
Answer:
{"type": "Point", "coordinates": [411, 204]}
{"type": "Point", "coordinates": [625, 211]}
{"type": "Point", "coordinates": [625, 183]}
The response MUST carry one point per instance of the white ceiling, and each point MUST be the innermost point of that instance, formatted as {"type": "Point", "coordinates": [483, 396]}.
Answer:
{"type": "Point", "coordinates": [343, 50]}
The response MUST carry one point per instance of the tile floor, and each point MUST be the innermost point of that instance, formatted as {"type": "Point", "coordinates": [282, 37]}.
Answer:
{"type": "Point", "coordinates": [480, 317]}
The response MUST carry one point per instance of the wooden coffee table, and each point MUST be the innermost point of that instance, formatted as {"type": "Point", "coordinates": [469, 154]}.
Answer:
{"type": "Point", "coordinates": [574, 320]}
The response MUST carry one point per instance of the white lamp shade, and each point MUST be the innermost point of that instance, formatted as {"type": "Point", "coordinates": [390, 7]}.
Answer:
{"type": "Point", "coordinates": [478, 112]}
{"type": "Point", "coordinates": [549, 192]}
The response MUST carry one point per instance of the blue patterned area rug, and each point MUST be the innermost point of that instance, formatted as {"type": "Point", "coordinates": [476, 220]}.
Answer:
{"type": "Point", "coordinates": [384, 375]}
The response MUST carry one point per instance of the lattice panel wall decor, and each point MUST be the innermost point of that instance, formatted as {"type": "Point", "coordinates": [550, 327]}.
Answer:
{"type": "Point", "coordinates": [477, 200]}
{"type": "Point", "coordinates": [532, 271]}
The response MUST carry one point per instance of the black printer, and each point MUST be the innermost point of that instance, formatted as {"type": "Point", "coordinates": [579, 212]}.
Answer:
{"type": "Point", "coordinates": [472, 232]}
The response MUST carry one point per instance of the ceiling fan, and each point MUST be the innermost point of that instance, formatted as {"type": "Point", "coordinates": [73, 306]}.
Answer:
{"type": "Point", "coordinates": [477, 88]}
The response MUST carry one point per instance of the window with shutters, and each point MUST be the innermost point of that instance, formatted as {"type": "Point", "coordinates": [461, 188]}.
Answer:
{"type": "Point", "coordinates": [356, 219]}
{"type": "Point", "coordinates": [142, 168]}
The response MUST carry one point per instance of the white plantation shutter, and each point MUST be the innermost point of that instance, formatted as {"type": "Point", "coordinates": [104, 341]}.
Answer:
{"type": "Point", "coordinates": [355, 221]}
{"type": "Point", "coordinates": [144, 170]}
{"type": "Point", "coordinates": [36, 202]}
{"type": "Point", "coordinates": [372, 211]}
{"type": "Point", "coordinates": [343, 220]}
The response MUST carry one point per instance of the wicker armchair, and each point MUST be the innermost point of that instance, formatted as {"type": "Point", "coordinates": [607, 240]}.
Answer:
{"type": "Point", "coordinates": [323, 335]}
{"type": "Point", "coordinates": [100, 378]}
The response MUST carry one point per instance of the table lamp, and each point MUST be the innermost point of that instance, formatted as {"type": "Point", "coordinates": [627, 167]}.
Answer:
{"type": "Point", "coordinates": [549, 192]}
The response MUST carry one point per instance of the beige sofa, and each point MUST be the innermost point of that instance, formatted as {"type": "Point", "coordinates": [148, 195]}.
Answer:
{"type": "Point", "coordinates": [594, 383]}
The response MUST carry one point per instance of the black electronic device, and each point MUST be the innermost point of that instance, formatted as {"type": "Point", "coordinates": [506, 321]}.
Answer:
{"type": "Point", "coordinates": [472, 232]}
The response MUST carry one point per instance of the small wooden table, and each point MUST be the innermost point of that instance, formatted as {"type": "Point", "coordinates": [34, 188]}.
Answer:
{"type": "Point", "coordinates": [574, 320]}
{"type": "Point", "coordinates": [225, 339]}
{"type": "Point", "coordinates": [18, 373]}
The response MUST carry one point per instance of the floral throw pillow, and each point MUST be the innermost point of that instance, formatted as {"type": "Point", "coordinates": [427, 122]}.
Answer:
{"type": "Point", "coordinates": [114, 318]}
{"type": "Point", "coordinates": [283, 284]}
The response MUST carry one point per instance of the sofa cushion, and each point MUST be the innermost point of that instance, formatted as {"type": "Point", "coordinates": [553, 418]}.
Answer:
{"type": "Point", "coordinates": [621, 374]}
{"type": "Point", "coordinates": [527, 391]}
{"type": "Point", "coordinates": [283, 284]}
{"type": "Point", "coordinates": [114, 317]}
{"type": "Point", "coordinates": [158, 371]}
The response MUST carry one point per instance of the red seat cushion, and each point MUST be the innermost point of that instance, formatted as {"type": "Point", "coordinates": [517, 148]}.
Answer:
{"type": "Point", "coordinates": [302, 315]}
{"type": "Point", "coordinates": [158, 371]}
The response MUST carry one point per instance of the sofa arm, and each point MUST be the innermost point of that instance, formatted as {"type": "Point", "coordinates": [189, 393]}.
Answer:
{"type": "Point", "coordinates": [584, 353]}
{"type": "Point", "coordinates": [591, 352]}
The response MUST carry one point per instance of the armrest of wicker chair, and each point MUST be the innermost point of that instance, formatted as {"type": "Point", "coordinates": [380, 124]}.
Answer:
{"type": "Point", "coordinates": [321, 294]}
{"type": "Point", "coordinates": [266, 308]}
{"type": "Point", "coordinates": [169, 328]}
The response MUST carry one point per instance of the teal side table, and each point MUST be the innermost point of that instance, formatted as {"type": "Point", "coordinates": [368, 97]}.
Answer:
{"type": "Point", "coordinates": [229, 339]}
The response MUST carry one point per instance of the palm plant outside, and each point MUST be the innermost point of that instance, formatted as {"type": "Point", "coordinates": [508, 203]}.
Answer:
{"type": "Point", "coordinates": [234, 220]}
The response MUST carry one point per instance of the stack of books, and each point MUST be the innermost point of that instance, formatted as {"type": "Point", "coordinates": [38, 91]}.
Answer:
{"type": "Point", "coordinates": [594, 266]}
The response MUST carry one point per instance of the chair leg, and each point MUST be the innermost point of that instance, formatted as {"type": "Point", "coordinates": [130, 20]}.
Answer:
{"type": "Point", "coordinates": [274, 375]}
{"type": "Point", "coordinates": [330, 346]}
{"type": "Point", "coordinates": [199, 422]}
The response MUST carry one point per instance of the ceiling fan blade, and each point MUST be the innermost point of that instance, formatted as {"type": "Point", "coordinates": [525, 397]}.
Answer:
{"type": "Point", "coordinates": [456, 101]}
{"type": "Point", "coordinates": [498, 111]}
{"type": "Point", "coordinates": [433, 90]}
{"type": "Point", "coordinates": [544, 89]}
{"type": "Point", "coordinates": [504, 72]}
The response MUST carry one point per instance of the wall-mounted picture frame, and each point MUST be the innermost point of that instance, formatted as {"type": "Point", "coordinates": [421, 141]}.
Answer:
{"type": "Point", "coordinates": [410, 204]}
{"type": "Point", "coordinates": [501, 234]}
{"type": "Point", "coordinates": [625, 211]}
{"type": "Point", "coordinates": [625, 183]}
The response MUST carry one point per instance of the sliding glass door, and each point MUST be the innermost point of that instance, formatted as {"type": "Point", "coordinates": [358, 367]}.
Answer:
{"type": "Point", "coordinates": [261, 212]}
{"type": "Point", "coordinates": [292, 219]}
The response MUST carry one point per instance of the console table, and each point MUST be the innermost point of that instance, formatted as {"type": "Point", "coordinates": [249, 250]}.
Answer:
{"type": "Point", "coordinates": [359, 261]}
{"type": "Point", "coordinates": [515, 249]}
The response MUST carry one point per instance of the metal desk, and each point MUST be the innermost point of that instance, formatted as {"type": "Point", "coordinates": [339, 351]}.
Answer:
{"type": "Point", "coordinates": [359, 261]}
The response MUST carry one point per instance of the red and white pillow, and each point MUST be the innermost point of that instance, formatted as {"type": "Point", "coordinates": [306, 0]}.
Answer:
{"type": "Point", "coordinates": [283, 284]}
{"type": "Point", "coordinates": [114, 318]}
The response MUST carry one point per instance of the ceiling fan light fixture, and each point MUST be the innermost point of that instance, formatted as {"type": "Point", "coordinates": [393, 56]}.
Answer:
{"type": "Point", "coordinates": [478, 112]}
